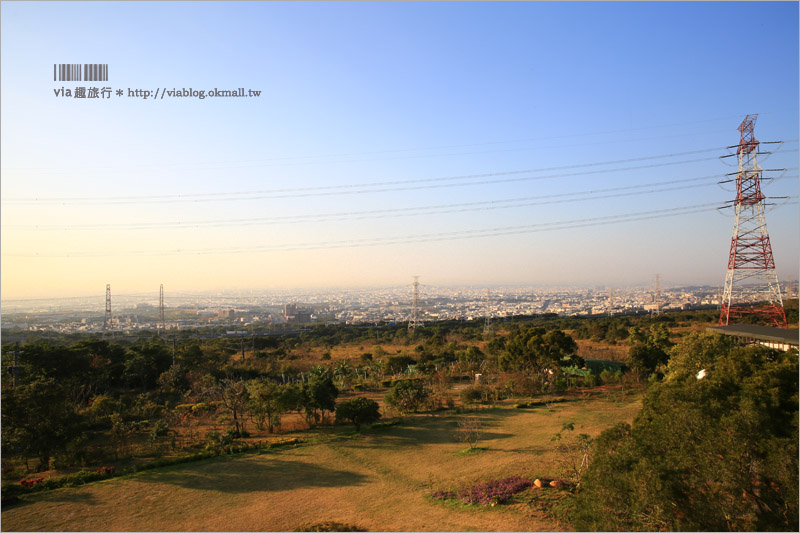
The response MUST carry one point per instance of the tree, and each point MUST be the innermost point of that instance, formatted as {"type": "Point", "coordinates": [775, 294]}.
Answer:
{"type": "Point", "coordinates": [472, 394]}
{"type": "Point", "coordinates": [145, 363]}
{"type": "Point", "coordinates": [472, 355]}
{"type": "Point", "coordinates": [696, 352]}
{"type": "Point", "coordinates": [396, 364]}
{"type": "Point", "coordinates": [318, 395]}
{"type": "Point", "coordinates": [469, 431]}
{"type": "Point", "coordinates": [358, 410]}
{"type": "Point", "coordinates": [37, 420]}
{"type": "Point", "coordinates": [496, 346]}
{"type": "Point", "coordinates": [648, 351]}
{"type": "Point", "coordinates": [536, 350]}
{"type": "Point", "coordinates": [407, 396]}
{"type": "Point", "coordinates": [716, 452]}
{"type": "Point", "coordinates": [575, 452]}
{"type": "Point", "coordinates": [173, 381]}
{"type": "Point", "coordinates": [233, 395]}
{"type": "Point", "coordinates": [268, 401]}
{"type": "Point", "coordinates": [342, 371]}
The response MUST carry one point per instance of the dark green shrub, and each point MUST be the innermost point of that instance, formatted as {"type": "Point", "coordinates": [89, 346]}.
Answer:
{"type": "Point", "coordinates": [472, 395]}
{"type": "Point", "coordinates": [407, 396]}
{"type": "Point", "coordinates": [358, 410]}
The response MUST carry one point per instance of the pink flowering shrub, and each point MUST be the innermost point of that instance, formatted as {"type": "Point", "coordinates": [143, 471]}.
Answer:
{"type": "Point", "coordinates": [487, 492]}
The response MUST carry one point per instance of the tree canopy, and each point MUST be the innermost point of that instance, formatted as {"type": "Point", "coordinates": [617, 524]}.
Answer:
{"type": "Point", "coordinates": [718, 452]}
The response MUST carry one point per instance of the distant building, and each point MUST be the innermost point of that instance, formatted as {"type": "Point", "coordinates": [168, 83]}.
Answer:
{"type": "Point", "coordinates": [292, 314]}
{"type": "Point", "coordinates": [302, 317]}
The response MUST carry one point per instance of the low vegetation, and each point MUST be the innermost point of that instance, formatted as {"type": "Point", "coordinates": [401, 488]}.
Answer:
{"type": "Point", "coordinates": [713, 447]}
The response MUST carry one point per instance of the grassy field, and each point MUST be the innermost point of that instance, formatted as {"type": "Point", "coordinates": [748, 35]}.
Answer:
{"type": "Point", "coordinates": [379, 480]}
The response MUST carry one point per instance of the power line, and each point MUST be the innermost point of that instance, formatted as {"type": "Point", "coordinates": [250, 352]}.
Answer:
{"type": "Point", "coordinates": [343, 188]}
{"type": "Point", "coordinates": [366, 188]}
{"type": "Point", "coordinates": [487, 205]}
{"type": "Point", "coordinates": [430, 237]}
{"type": "Point", "coordinates": [381, 213]}
{"type": "Point", "coordinates": [351, 154]}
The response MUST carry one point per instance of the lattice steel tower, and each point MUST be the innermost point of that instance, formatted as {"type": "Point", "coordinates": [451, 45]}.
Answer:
{"type": "Point", "coordinates": [487, 328]}
{"type": "Point", "coordinates": [657, 294]}
{"type": "Point", "coordinates": [414, 322]}
{"type": "Point", "coordinates": [161, 305]}
{"type": "Point", "coordinates": [107, 324]}
{"type": "Point", "coordinates": [751, 284]}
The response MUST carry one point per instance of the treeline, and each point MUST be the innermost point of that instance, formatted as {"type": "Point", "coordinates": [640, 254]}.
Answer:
{"type": "Point", "coordinates": [92, 401]}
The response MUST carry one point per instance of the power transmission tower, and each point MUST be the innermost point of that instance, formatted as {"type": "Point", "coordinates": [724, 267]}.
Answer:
{"type": "Point", "coordinates": [161, 306]}
{"type": "Point", "coordinates": [751, 283]}
{"type": "Point", "coordinates": [414, 322]}
{"type": "Point", "coordinates": [657, 294]}
{"type": "Point", "coordinates": [610, 301]}
{"type": "Point", "coordinates": [487, 328]}
{"type": "Point", "coordinates": [107, 325]}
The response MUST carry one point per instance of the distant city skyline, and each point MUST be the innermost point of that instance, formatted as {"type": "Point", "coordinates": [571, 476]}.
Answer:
{"type": "Point", "coordinates": [262, 311]}
{"type": "Point", "coordinates": [483, 144]}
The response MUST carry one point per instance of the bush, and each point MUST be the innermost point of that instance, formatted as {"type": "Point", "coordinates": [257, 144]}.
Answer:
{"type": "Point", "coordinates": [358, 410]}
{"type": "Point", "coordinates": [487, 492]}
{"type": "Point", "coordinates": [472, 395]}
{"type": "Point", "coordinates": [407, 396]}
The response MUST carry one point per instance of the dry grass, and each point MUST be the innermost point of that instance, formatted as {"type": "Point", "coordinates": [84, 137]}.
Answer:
{"type": "Point", "coordinates": [377, 481]}
{"type": "Point", "coordinates": [589, 349]}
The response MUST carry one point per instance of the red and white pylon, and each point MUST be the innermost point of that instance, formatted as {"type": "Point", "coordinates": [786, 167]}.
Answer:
{"type": "Point", "coordinates": [751, 284]}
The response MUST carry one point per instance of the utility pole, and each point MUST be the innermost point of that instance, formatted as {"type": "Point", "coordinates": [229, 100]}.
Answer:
{"type": "Point", "coordinates": [751, 282]}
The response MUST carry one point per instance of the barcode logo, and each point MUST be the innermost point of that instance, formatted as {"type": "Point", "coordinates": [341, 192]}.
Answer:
{"type": "Point", "coordinates": [80, 72]}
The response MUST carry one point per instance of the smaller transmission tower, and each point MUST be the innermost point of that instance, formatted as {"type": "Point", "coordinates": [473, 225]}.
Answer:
{"type": "Point", "coordinates": [161, 306]}
{"type": "Point", "coordinates": [751, 283]}
{"type": "Point", "coordinates": [487, 328]}
{"type": "Point", "coordinates": [657, 294]}
{"type": "Point", "coordinates": [107, 325]}
{"type": "Point", "coordinates": [414, 322]}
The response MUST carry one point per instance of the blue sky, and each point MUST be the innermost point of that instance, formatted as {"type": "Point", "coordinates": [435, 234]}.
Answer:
{"type": "Point", "coordinates": [362, 93]}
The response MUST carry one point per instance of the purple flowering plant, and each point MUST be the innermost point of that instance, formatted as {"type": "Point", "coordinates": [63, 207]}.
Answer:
{"type": "Point", "coordinates": [487, 492]}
